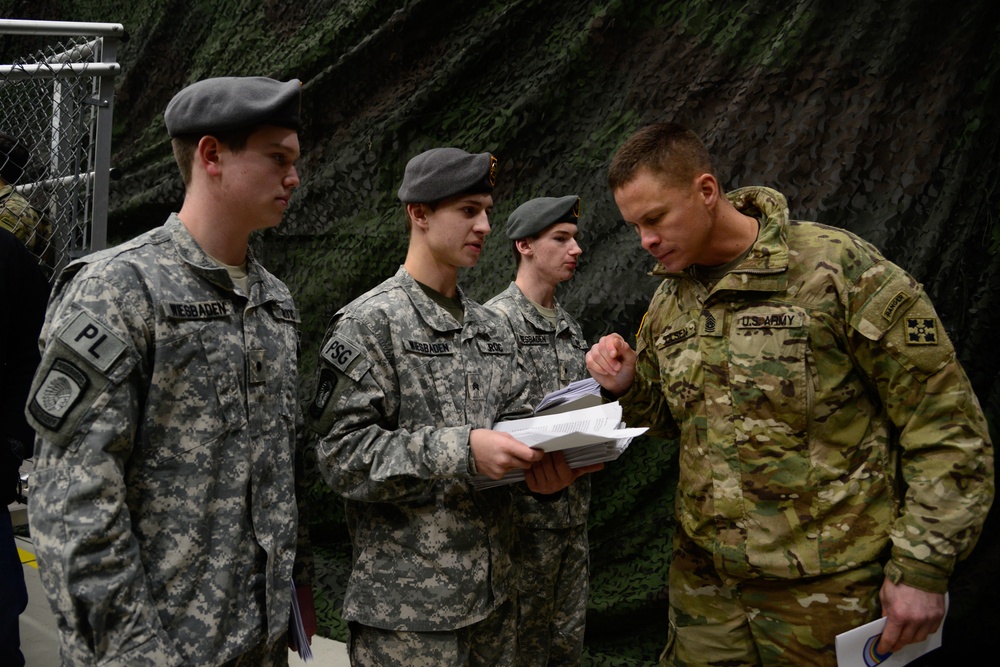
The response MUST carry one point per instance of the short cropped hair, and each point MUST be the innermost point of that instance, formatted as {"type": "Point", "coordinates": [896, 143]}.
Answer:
{"type": "Point", "coordinates": [665, 149]}
{"type": "Point", "coordinates": [186, 145]}
{"type": "Point", "coordinates": [13, 158]}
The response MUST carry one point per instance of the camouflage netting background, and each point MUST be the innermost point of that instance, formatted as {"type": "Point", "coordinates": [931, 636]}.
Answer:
{"type": "Point", "coordinates": [879, 117]}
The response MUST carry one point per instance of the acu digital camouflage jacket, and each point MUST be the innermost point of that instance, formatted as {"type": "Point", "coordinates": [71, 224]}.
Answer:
{"type": "Point", "coordinates": [162, 503]}
{"type": "Point", "coordinates": [402, 384]}
{"type": "Point", "coordinates": [553, 358]}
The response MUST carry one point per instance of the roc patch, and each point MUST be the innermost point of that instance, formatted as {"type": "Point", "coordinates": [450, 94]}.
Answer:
{"type": "Point", "coordinates": [921, 331]}
{"type": "Point", "coordinates": [60, 390]}
{"type": "Point", "coordinates": [93, 341]}
{"type": "Point", "coordinates": [491, 347]}
{"type": "Point", "coordinates": [340, 352]}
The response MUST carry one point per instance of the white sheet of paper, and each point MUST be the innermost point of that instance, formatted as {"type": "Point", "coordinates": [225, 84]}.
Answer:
{"type": "Point", "coordinates": [856, 648]}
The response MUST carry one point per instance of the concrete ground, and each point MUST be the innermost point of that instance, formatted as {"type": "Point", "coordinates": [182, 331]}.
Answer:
{"type": "Point", "coordinates": [39, 639]}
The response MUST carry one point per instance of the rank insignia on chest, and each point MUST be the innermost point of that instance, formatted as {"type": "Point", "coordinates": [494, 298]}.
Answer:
{"type": "Point", "coordinates": [474, 389]}
{"type": "Point", "coordinates": [711, 323]}
{"type": "Point", "coordinates": [921, 331]}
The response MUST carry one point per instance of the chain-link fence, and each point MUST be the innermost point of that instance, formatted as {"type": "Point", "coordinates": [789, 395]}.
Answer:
{"type": "Point", "coordinates": [55, 138]}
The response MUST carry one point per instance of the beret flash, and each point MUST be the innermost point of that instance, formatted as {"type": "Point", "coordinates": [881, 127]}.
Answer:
{"type": "Point", "coordinates": [447, 172]}
{"type": "Point", "coordinates": [231, 103]}
{"type": "Point", "coordinates": [534, 215]}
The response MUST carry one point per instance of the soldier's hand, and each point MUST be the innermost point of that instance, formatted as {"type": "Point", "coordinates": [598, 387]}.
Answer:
{"type": "Point", "coordinates": [553, 474]}
{"type": "Point", "coordinates": [611, 361]}
{"type": "Point", "coordinates": [495, 452]}
{"type": "Point", "coordinates": [911, 615]}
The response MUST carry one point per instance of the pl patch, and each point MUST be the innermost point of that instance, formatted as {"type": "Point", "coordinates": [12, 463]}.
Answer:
{"type": "Point", "coordinates": [921, 331]}
{"type": "Point", "coordinates": [62, 387]}
{"type": "Point", "coordinates": [94, 342]}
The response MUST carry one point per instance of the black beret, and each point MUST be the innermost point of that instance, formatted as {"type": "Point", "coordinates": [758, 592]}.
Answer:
{"type": "Point", "coordinates": [232, 103]}
{"type": "Point", "coordinates": [534, 215]}
{"type": "Point", "coordinates": [447, 172]}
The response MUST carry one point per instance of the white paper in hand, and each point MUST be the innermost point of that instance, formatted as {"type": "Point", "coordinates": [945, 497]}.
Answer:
{"type": "Point", "coordinates": [856, 648]}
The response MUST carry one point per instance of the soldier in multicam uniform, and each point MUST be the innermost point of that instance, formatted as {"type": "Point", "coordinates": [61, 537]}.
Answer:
{"type": "Point", "coordinates": [552, 552]}
{"type": "Point", "coordinates": [413, 374]}
{"type": "Point", "coordinates": [834, 459]}
{"type": "Point", "coordinates": [162, 502]}
{"type": "Point", "coordinates": [16, 215]}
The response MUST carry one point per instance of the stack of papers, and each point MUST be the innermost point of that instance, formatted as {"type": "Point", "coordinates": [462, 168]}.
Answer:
{"type": "Point", "coordinates": [586, 436]}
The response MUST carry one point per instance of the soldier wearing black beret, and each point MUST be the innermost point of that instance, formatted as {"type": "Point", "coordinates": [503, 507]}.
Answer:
{"type": "Point", "coordinates": [163, 503]}
{"type": "Point", "coordinates": [553, 552]}
{"type": "Point", "coordinates": [413, 375]}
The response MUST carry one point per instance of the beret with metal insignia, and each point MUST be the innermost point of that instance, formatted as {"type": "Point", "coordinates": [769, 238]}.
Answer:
{"type": "Point", "coordinates": [534, 215]}
{"type": "Point", "coordinates": [447, 172]}
{"type": "Point", "coordinates": [232, 103]}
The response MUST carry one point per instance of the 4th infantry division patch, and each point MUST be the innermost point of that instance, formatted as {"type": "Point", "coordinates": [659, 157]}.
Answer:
{"type": "Point", "coordinates": [921, 331]}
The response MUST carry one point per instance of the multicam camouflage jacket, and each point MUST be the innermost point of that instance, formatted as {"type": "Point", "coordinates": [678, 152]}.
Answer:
{"type": "Point", "coordinates": [554, 357]}
{"type": "Point", "coordinates": [162, 502]}
{"type": "Point", "coordinates": [789, 381]}
{"type": "Point", "coordinates": [19, 218]}
{"type": "Point", "coordinates": [401, 386]}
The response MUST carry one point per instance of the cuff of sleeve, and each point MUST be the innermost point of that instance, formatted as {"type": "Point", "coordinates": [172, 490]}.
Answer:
{"type": "Point", "coordinates": [916, 574]}
{"type": "Point", "coordinates": [471, 465]}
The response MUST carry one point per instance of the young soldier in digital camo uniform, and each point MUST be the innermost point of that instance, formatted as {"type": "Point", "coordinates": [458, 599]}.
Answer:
{"type": "Point", "coordinates": [827, 430]}
{"type": "Point", "coordinates": [162, 502]}
{"type": "Point", "coordinates": [412, 376]}
{"type": "Point", "coordinates": [551, 556]}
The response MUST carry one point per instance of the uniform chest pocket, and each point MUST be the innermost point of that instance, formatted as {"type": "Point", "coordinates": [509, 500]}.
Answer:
{"type": "Point", "coordinates": [193, 395]}
{"type": "Point", "coordinates": [768, 357]}
{"type": "Point", "coordinates": [679, 360]}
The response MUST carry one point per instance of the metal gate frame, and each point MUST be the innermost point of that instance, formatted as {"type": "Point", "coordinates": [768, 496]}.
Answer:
{"type": "Point", "coordinates": [88, 175]}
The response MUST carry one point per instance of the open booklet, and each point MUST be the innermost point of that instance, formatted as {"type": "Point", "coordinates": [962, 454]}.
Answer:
{"type": "Point", "coordinates": [571, 420]}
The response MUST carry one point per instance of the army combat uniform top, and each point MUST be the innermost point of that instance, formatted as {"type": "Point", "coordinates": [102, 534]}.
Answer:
{"type": "Point", "coordinates": [162, 501]}
{"type": "Point", "coordinates": [553, 553]}
{"type": "Point", "coordinates": [801, 382]}
{"type": "Point", "coordinates": [554, 357]}
{"type": "Point", "coordinates": [402, 384]}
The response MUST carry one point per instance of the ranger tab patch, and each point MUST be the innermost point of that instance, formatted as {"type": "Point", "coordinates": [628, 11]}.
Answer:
{"type": "Point", "coordinates": [921, 331]}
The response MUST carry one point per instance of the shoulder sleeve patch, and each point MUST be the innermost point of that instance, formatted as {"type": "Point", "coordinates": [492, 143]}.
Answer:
{"type": "Point", "coordinates": [62, 388]}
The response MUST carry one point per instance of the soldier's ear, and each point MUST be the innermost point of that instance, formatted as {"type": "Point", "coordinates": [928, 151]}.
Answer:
{"type": "Point", "coordinates": [418, 214]}
{"type": "Point", "coordinates": [207, 155]}
{"type": "Point", "coordinates": [708, 188]}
